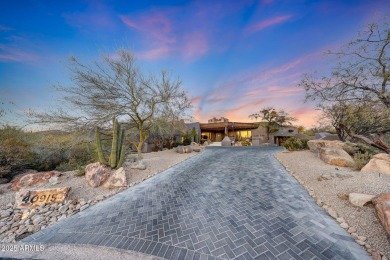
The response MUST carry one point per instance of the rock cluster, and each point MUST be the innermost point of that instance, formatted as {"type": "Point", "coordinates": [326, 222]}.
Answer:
{"type": "Point", "coordinates": [16, 224]}
{"type": "Point", "coordinates": [361, 240]}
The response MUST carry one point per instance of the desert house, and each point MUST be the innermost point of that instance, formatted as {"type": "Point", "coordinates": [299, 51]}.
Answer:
{"type": "Point", "coordinates": [216, 129]}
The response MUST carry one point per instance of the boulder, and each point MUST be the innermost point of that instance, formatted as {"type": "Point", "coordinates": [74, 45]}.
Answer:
{"type": "Point", "coordinates": [196, 150]}
{"type": "Point", "coordinates": [380, 163]}
{"type": "Point", "coordinates": [336, 156]}
{"type": "Point", "coordinates": [32, 179]}
{"type": "Point", "coordinates": [96, 174]}
{"type": "Point", "coordinates": [316, 145]}
{"type": "Point", "coordinates": [33, 198]}
{"type": "Point", "coordinates": [226, 141]}
{"type": "Point", "coordinates": [139, 165]}
{"type": "Point", "coordinates": [116, 179]}
{"type": "Point", "coordinates": [360, 199]}
{"type": "Point", "coordinates": [382, 209]}
{"type": "Point", "coordinates": [184, 149]}
{"type": "Point", "coordinates": [194, 144]}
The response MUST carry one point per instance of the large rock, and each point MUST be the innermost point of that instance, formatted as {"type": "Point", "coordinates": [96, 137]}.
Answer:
{"type": "Point", "coordinates": [32, 179]}
{"type": "Point", "coordinates": [139, 165]}
{"type": "Point", "coordinates": [96, 174]}
{"type": "Point", "coordinates": [335, 156]}
{"type": "Point", "coordinates": [380, 163]}
{"type": "Point", "coordinates": [33, 198]}
{"type": "Point", "coordinates": [360, 199]}
{"type": "Point", "coordinates": [184, 149]}
{"type": "Point", "coordinates": [116, 180]}
{"type": "Point", "coordinates": [382, 209]}
{"type": "Point", "coordinates": [316, 145]}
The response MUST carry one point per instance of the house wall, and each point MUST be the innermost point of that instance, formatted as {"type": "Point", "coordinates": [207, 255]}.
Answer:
{"type": "Point", "coordinates": [259, 135]}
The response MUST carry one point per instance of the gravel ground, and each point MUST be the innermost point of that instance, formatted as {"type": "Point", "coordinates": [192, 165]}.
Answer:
{"type": "Point", "coordinates": [308, 167]}
{"type": "Point", "coordinates": [156, 162]}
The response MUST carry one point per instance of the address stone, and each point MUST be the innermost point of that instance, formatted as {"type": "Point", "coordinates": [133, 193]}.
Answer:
{"type": "Point", "coordinates": [34, 198]}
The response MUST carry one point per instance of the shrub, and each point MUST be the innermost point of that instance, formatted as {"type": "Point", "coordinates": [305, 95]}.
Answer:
{"type": "Point", "coordinates": [246, 143]}
{"type": "Point", "coordinates": [177, 143]}
{"type": "Point", "coordinates": [186, 141]}
{"type": "Point", "coordinates": [15, 151]}
{"type": "Point", "coordinates": [360, 160]}
{"type": "Point", "coordinates": [295, 144]}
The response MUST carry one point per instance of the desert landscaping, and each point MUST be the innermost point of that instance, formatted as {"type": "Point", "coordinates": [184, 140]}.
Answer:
{"type": "Point", "coordinates": [346, 194]}
{"type": "Point", "coordinates": [18, 222]}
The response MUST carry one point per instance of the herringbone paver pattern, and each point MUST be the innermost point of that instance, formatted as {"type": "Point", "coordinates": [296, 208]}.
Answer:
{"type": "Point", "coordinates": [227, 203]}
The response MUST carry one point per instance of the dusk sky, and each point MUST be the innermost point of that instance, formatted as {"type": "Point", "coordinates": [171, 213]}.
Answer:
{"type": "Point", "coordinates": [234, 57]}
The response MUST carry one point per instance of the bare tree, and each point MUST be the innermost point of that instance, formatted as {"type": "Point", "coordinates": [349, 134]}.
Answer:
{"type": "Point", "coordinates": [358, 86]}
{"type": "Point", "coordinates": [274, 119]}
{"type": "Point", "coordinates": [116, 87]}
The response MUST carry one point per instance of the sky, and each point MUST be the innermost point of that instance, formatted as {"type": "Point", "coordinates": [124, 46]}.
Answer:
{"type": "Point", "coordinates": [233, 57]}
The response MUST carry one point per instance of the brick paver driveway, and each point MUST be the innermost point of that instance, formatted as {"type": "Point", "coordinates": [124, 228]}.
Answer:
{"type": "Point", "coordinates": [227, 203]}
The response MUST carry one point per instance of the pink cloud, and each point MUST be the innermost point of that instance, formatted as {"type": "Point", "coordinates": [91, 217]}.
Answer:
{"type": "Point", "coordinates": [12, 54]}
{"type": "Point", "coordinates": [195, 45]}
{"type": "Point", "coordinates": [267, 23]}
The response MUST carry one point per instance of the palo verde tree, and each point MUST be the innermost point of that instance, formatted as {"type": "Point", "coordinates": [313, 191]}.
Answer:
{"type": "Point", "coordinates": [359, 83]}
{"type": "Point", "coordinates": [273, 119]}
{"type": "Point", "coordinates": [116, 87]}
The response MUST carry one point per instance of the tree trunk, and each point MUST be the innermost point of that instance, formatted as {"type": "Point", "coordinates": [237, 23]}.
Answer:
{"type": "Point", "coordinates": [377, 144]}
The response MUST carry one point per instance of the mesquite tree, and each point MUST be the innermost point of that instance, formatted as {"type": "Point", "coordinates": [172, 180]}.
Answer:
{"type": "Point", "coordinates": [273, 119]}
{"type": "Point", "coordinates": [116, 87]}
{"type": "Point", "coordinates": [359, 82]}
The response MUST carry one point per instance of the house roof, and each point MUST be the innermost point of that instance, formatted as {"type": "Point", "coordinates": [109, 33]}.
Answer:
{"type": "Point", "coordinates": [232, 126]}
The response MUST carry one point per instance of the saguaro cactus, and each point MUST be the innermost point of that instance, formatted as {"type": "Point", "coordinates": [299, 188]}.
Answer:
{"type": "Point", "coordinates": [117, 155]}
{"type": "Point", "coordinates": [99, 147]}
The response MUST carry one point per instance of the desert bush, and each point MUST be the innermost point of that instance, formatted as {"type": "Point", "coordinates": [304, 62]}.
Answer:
{"type": "Point", "coordinates": [246, 143]}
{"type": "Point", "coordinates": [15, 151]}
{"type": "Point", "coordinates": [360, 160]}
{"type": "Point", "coordinates": [177, 143]}
{"type": "Point", "coordinates": [295, 144]}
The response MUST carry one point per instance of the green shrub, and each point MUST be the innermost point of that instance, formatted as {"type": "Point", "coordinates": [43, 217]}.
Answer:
{"type": "Point", "coordinates": [360, 160]}
{"type": "Point", "coordinates": [294, 144]}
{"type": "Point", "coordinates": [80, 171]}
{"type": "Point", "coordinates": [186, 141]}
{"type": "Point", "coordinates": [245, 143]}
{"type": "Point", "coordinates": [177, 143]}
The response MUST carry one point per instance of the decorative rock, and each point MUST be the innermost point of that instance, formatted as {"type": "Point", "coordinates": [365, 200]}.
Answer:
{"type": "Point", "coordinates": [96, 174]}
{"type": "Point", "coordinates": [116, 180]}
{"type": "Point", "coordinates": [332, 213]}
{"type": "Point", "coordinates": [196, 150]}
{"type": "Point", "coordinates": [344, 225]}
{"type": "Point", "coordinates": [360, 199]}
{"type": "Point", "coordinates": [84, 207]}
{"type": "Point", "coordinates": [62, 217]}
{"type": "Point", "coordinates": [6, 213]}
{"type": "Point", "coordinates": [376, 256]}
{"type": "Point", "coordinates": [362, 243]}
{"type": "Point", "coordinates": [140, 165]}
{"type": "Point", "coordinates": [32, 179]}
{"type": "Point", "coordinates": [54, 180]}
{"type": "Point", "coordinates": [226, 141]}
{"type": "Point", "coordinates": [362, 238]}
{"type": "Point", "coordinates": [316, 145]}
{"type": "Point", "coordinates": [335, 156]}
{"type": "Point", "coordinates": [382, 209]}
{"type": "Point", "coordinates": [38, 220]}
{"type": "Point", "coordinates": [100, 197]}
{"type": "Point", "coordinates": [184, 149]}
{"type": "Point", "coordinates": [380, 163]}
{"type": "Point", "coordinates": [354, 236]}
{"type": "Point", "coordinates": [352, 230]}
{"type": "Point", "coordinates": [32, 198]}
{"type": "Point", "coordinates": [63, 208]}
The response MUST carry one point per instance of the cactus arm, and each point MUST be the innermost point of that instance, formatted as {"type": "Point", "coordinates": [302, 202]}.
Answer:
{"type": "Point", "coordinates": [99, 147]}
{"type": "Point", "coordinates": [114, 146]}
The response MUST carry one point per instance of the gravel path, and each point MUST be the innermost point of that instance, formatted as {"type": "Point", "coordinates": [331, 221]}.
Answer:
{"type": "Point", "coordinates": [308, 168]}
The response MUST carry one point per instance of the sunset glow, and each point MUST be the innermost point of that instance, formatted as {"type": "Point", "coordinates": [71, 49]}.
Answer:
{"type": "Point", "coordinates": [234, 57]}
